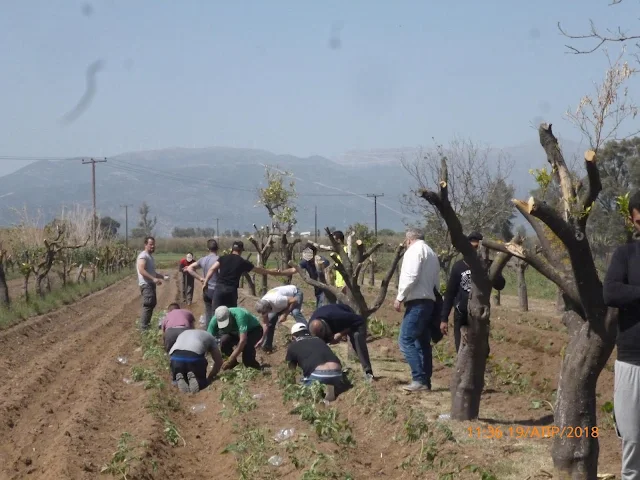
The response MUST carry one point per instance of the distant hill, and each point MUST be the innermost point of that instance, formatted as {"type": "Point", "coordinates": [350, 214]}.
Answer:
{"type": "Point", "coordinates": [192, 187]}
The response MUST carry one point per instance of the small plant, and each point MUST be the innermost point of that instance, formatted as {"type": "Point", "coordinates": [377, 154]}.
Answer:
{"type": "Point", "coordinates": [326, 423]}
{"type": "Point", "coordinates": [415, 425]}
{"type": "Point", "coordinates": [251, 454]}
{"type": "Point", "coordinates": [389, 412]}
{"type": "Point", "coordinates": [321, 469]}
{"type": "Point", "coordinates": [122, 458]}
{"type": "Point", "coordinates": [236, 399]}
{"type": "Point", "coordinates": [379, 328]}
{"type": "Point", "coordinates": [443, 356]}
{"type": "Point", "coordinates": [171, 433]}
{"type": "Point", "coordinates": [609, 414]}
{"type": "Point", "coordinates": [142, 374]}
{"type": "Point", "coordinates": [314, 392]}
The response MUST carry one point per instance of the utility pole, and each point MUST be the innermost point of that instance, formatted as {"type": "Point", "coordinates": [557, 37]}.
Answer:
{"type": "Point", "coordinates": [218, 228]}
{"type": "Point", "coordinates": [126, 223]}
{"type": "Point", "coordinates": [372, 279]}
{"type": "Point", "coordinates": [315, 223]}
{"type": "Point", "coordinates": [93, 190]}
{"type": "Point", "coordinates": [375, 211]}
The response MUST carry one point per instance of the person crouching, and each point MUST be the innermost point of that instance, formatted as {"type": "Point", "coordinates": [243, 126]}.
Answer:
{"type": "Point", "coordinates": [176, 321]}
{"type": "Point", "coordinates": [316, 359]}
{"type": "Point", "coordinates": [188, 360]}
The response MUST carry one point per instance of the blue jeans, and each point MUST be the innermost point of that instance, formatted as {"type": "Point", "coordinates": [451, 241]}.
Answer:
{"type": "Point", "coordinates": [415, 339]}
{"type": "Point", "coordinates": [273, 320]}
{"type": "Point", "coordinates": [327, 377]}
{"type": "Point", "coordinates": [320, 300]}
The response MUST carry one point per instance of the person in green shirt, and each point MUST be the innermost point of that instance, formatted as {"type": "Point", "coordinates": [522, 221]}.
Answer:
{"type": "Point", "coordinates": [240, 333]}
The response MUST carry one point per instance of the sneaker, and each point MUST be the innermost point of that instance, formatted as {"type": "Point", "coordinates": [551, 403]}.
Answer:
{"type": "Point", "coordinates": [182, 385]}
{"type": "Point", "coordinates": [415, 387]}
{"type": "Point", "coordinates": [194, 386]}
{"type": "Point", "coordinates": [368, 377]}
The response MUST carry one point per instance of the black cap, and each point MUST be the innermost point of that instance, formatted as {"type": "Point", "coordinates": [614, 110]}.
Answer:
{"type": "Point", "coordinates": [237, 246]}
{"type": "Point", "coordinates": [477, 236]}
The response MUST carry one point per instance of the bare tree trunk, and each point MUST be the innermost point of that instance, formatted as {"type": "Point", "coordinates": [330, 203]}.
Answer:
{"type": "Point", "coordinates": [523, 296]}
{"type": "Point", "coordinates": [5, 301]}
{"type": "Point", "coordinates": [26, 286]}
{"type": "Point", "coordinates": [79, 273]}
{"type": "Point", "coordinates": [575, 454]}
{"type": "Point", "coordinates": [372, 276]}
{"type": "Point", "coordinates": [560, 306]}
{"type": "Point", "coordinates": [252, 285]}
{"type": "Point", "coordinates": [397, 277]}
{"type": "Point", "coordinates": [48, 282]}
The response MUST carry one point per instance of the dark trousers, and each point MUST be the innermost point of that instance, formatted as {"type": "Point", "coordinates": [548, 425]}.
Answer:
{"type": "Point", "coordinates": [358, 339]}
{"type": "Point", "coordinates": [229, 341]}
{"type": "Point", "coordinates": [187, 288]}
{"type": "Point", "coordinates": [223, 295]}
{"type": "Point", "coordinates": [149, 302]}
{"type": "Point", "coordinates": [207, 299]}
{"type": "Point", "coordinates": [184, 361]}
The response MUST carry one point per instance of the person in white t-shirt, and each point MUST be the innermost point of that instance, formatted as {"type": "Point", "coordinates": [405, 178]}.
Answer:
{"type": "Point", "coordinates": [278, 303]}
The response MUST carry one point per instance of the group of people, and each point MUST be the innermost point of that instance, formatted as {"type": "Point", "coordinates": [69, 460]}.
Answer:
{"type": "Point", "coordinates": [237, 333]}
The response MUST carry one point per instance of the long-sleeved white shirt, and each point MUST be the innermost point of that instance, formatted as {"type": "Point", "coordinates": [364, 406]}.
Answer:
{"type": "Point", "coordinates": [420, 273]}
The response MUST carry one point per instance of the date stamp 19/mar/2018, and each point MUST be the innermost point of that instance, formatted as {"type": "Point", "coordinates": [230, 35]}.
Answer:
{"type": "Point", "coordinates": [490, 432]}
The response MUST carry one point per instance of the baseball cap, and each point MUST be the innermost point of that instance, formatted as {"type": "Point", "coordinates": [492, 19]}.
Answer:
{"type": "Point", "coordinates": [475, 236]}
{"type": "Point", "coordinates": [189, 257]}
{"type": "Point", "coordinates": [222, 315]}
{"type": "Point", "coordinates": [298, 327]}
{"type": "Point", "coordinates": [237, 245]}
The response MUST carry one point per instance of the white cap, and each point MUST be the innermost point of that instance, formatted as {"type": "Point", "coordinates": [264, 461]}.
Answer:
{"type": "Point", "coordinates": [298, 327]}
{"type": "Point", "coordinates": [222, 315]}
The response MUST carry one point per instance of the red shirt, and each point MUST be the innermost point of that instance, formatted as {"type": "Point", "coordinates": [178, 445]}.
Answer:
{"type": "Point", "coordinates": [184, 263]}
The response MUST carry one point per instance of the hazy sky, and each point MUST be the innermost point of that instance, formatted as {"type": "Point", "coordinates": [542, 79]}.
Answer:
{"type": "Point", "coordinates": [263, 74]}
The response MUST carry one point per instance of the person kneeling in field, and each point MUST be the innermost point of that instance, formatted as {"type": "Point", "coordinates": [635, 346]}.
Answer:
{"type": "Point", "coordinates": [332, 322]}
{"type": "Point", "coordinates": [175, 322]}
{"type": "Point", "coordinates": [316, 359]}
{"type": "Point", "coordinates": [241, 333]}
{"type": "Point", "coordinates": [189, 363]}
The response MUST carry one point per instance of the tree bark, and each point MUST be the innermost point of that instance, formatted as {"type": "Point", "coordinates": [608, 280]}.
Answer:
{"type": "Point", "coordinates": [585, 357]}
{"type": "Point", "coordinates": [79, 273]}
{"type": "Point", "coordinates": [496, 298]}
{"type": "Point", "coordinates": [5, 301]}
{"type": "Point", "coordinates": [523, 296]}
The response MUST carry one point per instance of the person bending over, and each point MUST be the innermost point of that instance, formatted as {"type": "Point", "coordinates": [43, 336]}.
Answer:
{"type": "Point", "coordinates": [332, 322]}
{"type": "Point", "coordinates": [241, 333]}
{"type": "Point", "coordinates": [278, 303]}
{"type": "Point", "coordinates": [176, 321]}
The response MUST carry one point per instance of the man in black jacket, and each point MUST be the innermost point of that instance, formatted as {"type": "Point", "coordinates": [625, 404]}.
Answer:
{"type": "Point", "coordinates": [457, 293]}
{"type": "Point", "coordinates": [621, 290]}
{"type": "Point", "coordinates": [334, 321]}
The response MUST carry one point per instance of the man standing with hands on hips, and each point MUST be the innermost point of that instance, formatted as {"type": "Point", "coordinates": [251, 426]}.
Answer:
{"type": "Point", "coordinates": [419, 279]}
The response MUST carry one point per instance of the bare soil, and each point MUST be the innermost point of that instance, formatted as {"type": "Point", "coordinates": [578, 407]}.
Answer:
{"type": "Point", "coordinates": [64, 403]}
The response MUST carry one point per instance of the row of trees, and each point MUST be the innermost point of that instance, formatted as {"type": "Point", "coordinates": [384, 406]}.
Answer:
{"type": "Point", "coordinates": [34, 252]}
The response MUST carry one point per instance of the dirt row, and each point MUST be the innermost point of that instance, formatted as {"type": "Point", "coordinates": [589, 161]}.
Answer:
{"type": "Point", "coordinates": [63, 400]}
{"type": "Point", "coordinates": [64, 403]}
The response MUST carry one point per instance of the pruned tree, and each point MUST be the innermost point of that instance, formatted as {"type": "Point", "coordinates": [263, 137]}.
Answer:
{"type": "Point", "coordinates": [146, 224]}
{"type": "Point", "coordinates": [278, 198]}
{"type": "Point", "coordinates": [350, 270]}
{"type": "Point", "coordinates": [523, 294]}
{"type": "Point", "coordinates": [5, 300]}
{"type": "Point", "coordinates": [467, 382]}
{"type": "Point", "coordinates": [478, 192]}
{"type": "Point", "coordinates": [591, 325]}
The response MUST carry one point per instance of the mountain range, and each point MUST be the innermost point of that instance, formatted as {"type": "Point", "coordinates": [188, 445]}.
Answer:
{"type": "Point", "coordinates": [190, 187]}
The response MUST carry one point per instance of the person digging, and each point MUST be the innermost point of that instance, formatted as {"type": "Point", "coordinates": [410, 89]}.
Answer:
{"type": "Point", "coordinates": [317, 361]}
{"type": "Point", "coordinates": [241, 333]}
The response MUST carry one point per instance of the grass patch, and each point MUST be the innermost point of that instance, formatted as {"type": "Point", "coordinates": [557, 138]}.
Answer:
{"type": "Point", "coordinates": [537, 285]}
{"type": "Point", "coordinates": [21, 309]}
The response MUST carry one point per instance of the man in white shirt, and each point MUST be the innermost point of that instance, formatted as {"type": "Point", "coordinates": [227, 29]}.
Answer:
{"type": "Point", "coordinates": [279, 302]}
{"type": "Point", "coordinates": [419, 280]}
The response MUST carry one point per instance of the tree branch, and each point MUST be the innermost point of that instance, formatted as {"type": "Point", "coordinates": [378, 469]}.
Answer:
{"type": "Point", "coordinates": [547, 270]}
{"type": "Point", "coordinates": [371, 251]}
{"type": "Point", "coordinates": [600, 39]}
{"type": "Point", "coordinates": [550, 218]}
{"type": "Point", "coordinates": [335, 292]}
{"type": "Point", "coordinates": [387, 279]}
{"type": "Point", "coordinates": [594, 186]}
{"type": "Point", "coordinates": [441, 202]}
{"type": "Point", "coordinates": [555, 158]}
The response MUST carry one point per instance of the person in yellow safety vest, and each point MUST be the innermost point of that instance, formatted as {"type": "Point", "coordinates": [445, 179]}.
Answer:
{"type": "Point", "coordinates": [340, 283]}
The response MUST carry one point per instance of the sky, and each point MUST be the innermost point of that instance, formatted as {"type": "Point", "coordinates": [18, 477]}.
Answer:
{"type": "Point", "coordinates": [304, 78]}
